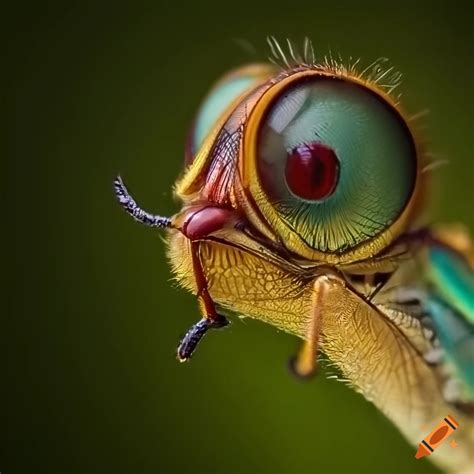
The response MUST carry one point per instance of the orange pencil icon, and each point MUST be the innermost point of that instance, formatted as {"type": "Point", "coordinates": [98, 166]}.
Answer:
{"type": "Point", "coordinates": [442, 431]}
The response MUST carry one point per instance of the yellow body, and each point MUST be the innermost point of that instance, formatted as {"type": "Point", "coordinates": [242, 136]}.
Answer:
{"type": "Point", "coordinates": [271, 274]}
{"type": "Point", "coordinates": [360, 339]}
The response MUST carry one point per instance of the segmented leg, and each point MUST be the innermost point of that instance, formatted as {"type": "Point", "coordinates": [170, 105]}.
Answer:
{"type": "Point", "coordinates": [210, 320]}
{"type": "Point", "coordinates": [304, 364]}
{"type": "Point", "coordinates": [199, 223]}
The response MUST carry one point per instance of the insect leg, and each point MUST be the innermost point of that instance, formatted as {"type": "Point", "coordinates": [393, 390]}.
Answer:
{"type": "Point", "coordinates": [210, 320]}
{"type": "Point", "coordinates": [303, 365]}
{"type": "Point", "coordinates": [132, 208]}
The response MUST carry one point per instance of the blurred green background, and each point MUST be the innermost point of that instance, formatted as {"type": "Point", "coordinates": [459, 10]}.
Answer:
{"type": "Point", "coordinates": [91, 320]}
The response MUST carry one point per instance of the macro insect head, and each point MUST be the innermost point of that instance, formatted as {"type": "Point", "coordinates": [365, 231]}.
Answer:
{"type": "Point", "coordinates": [303, 200]}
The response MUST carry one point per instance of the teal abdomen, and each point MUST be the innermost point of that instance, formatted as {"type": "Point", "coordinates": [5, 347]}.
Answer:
{"type": "Point", "coordinates": [451, 308]}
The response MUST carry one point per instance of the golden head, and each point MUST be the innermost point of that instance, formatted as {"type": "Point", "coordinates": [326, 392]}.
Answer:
{"type": "Point", "coordinates": [317, 157]}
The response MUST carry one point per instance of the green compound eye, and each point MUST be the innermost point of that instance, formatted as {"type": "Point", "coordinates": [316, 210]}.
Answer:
{"type": "Point", "coordinates": [337, 162]}
{"type": "Point", "coordinates": [215, 105]}
{"type": "Point", "coordinates": [221, 97]}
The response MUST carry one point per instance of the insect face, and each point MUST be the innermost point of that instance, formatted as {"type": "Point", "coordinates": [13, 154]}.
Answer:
{"type": "Point", "coordinates": [300, 199]}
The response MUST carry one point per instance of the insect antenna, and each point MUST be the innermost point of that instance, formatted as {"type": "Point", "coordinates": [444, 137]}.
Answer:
{"type": "Point", "coordinates": [131, 207]}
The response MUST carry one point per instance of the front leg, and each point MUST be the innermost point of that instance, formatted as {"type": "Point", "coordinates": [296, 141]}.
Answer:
{"type": "Point", "coordinates": [304, 364]}
{"type": "Point", "coordinates": [210, 320]}
{"type": "Point", "coordinates": [195, 224]}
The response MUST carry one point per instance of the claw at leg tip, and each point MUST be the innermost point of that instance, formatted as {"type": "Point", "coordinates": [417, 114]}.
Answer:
{"type": "Point", "coordinates": [299, 373]}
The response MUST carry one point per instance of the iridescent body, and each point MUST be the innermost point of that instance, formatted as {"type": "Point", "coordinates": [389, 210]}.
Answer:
{"type": "Point", "coordinates": [301, 199]}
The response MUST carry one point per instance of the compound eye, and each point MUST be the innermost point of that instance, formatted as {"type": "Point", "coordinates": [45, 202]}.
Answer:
{"type": "Point", "coordinates": [336, 161]}
{"type": "Point", "coordinates": [229, 89]}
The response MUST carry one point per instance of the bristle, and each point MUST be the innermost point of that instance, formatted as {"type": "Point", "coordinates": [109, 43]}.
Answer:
{"type": "Point", "coordinates": [308, 52]}
{"type": "Point", "coordinates": [245, 46]}
{"type": "Point", "coordinates": [434, 165]}
{"type": "Point", "coordinates": [379, 73]}
{"type": "Point", "coordinates": [419, 115]}
{"type": "Point", "coordinates": [278, 54]}
{"type": "Point", "coordinates": [294, 54]}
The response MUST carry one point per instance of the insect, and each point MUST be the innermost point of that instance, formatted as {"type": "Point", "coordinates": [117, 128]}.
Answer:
{"type": "Point", "coordinates": [303, 201]}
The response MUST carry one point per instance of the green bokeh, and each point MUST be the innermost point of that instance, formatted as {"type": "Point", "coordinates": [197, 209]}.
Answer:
{"type": "Point", "coordinates": [91, 320]}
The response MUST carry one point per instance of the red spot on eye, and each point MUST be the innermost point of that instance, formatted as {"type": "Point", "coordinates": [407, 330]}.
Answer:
{"type": "Point", "coordinates": [312, 171]}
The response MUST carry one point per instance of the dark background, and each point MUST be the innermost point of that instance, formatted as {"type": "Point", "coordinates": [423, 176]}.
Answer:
{"type": "Point", "coordinates": [90, 318]}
